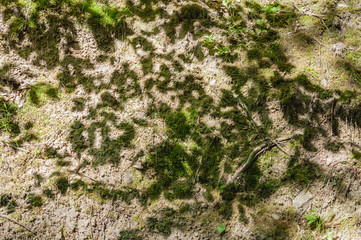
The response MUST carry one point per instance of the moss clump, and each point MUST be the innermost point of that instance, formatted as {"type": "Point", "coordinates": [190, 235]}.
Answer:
{"type": "Point", "coordinates": [177, 66]}
{"type": "Point", "coordinates": [147, 65]}
{"type": "Point", "coordinates": [179, 190]}
{"type": "Point", "coordinates": [76, 138]}
{"type": "Point", "coordinates": [7, 114]}
{"type": "Point", "coordinates": [228, 192]}
{"type": "Point", "coordinates": [110, 148]}
{"type": "Point", "coordinates": [162, 226]}
{"type": "Point", "coordinates": [48, 193]}
{"type": "Point", "coordinates": [242, 214]}
{"type": "Point", "coordinates": [129, 235]}
{"type": "Point", "coordinates": [302, 172]}
{"type": "Point", "coordinates": [184, 58]}
{"type": "Point", "coordinates": [198, 52]}
{"type": "Point", "coordinates": [186, 17]}
{"type": "Point", "coordinates": [37, 92]}
{"type": "Point", "coordinates": [127, 83]}
{"type": "Point", "coordinates": [34, 200]}
{"type": "Point", "coordinates": [225, 209]}
{"type": "Point", "coordinates": [356, 154]}
{"type": "Point", "coordinates": [143, 43]}
{"type": "Point", "coordinates": [20, 141]}
{"type": "Point", "coordinates": [28, 125]}
{"type": "Point", "coordinates": [212, 155]}
{"type": "Point", "coordinates": [177, 125]}
{"type": "Point", "coordinates": [79, 104]}
{"type": "Point", "coordinates": [208, 195]}
{"type": "Point", "coordinates": [7, 201]}
{"type": "Point", "coordinates": [170, 162]}
{"type": "Point", "coordinates": [5, 79]}
{"type": "Point", "coordinates": [62, 184]}
{"type": "Point", "coordinates": [145, 9]}
{"type": "Point", "coordinates": [51, 152]}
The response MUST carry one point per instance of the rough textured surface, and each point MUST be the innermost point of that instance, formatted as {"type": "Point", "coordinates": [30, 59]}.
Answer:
{"type": "Point", "coordinates": [125, 119]}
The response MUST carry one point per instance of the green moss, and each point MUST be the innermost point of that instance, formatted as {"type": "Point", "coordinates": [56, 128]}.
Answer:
{"type": "Point", "coordinates": [145, 9]}
{"type": "Point", "coordinates": [198, 53]}
{"type": "Point", "coordinates": [79, 104]}
{"type": "Point", "coordinates": [334, 146]}
{"type": "Point", "coordinates": [225, 209]}
{"type": "Point", "coordinates": [62, 185]}
{"type": "Point", "coordinates": [147, 65]}
{"type": "Point", "coordinates": [129, 235]}
{"type": "Point", "coordinates": [208, 195]}
{"type": "Point", "coordinates": [20, 141]}
{"type": "Point", "coordinates": [5, 79]}
{"type": "Point", "coordinates": [29, 125]}
{"type": "Point", "coordinates": [177, 66]}
{"type": "Point", "coordinates": [109, 149]}
{"type": "Point", "coordinates": [125, 89]}
{"type": "Point", "coordinates": [102, 58]}
{"type": "Point", "coordinates": [52, 153]}
{"type": "Point", "coordinates": [177, 125]}
{"type": "Point", "coordinates": [228, 192]}
{"type": "Point", "coordinates": [34, 200]}
{"type": "Point", "coordinates": [143, 43]}
{"type": "Point", "coordinates": [38, 92]}
{"type": "Point", "coordinates": [242, 214]}
{"type": "Point", "coordinates": [302, 172]}
{"type": "Point", "coordinates": [184, 58]}
{"type": "Point", "coordinates": [186, 17]}
{"type": "Point", "coordinates": [162, 226]}
{"type": "Point", "coordinates": [356, 154]}
{"type": "Point", "coordinates": [309, 134]}
{"type": "Point", "coordinates": [76, 138]}
{"type": "Point", "coordinates": [78, 185]}
{"type": "Point", "coordinates": [7, 202]}
{"type": "Point", "coordinates": [7, 114]}
{"type": "Point", "coordinates": [179, 190]}
{"type": "Point", "coordinates": [170, 162]}
{"type": "Point", "coordinates": [48, 193]}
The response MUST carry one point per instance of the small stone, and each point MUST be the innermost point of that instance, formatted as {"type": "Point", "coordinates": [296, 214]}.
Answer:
{"type": "Point", "coordinates": [128, 177]}
{"type": "Point", "coordinates": [338, 48]}
{"type": "Point", "coordinates": [301, 199]}
{"type": "Point", "coordinates": [138, 46]}
{"type": "Point", "coordinates": [138, 165]}
{"type": "Point", "coordinates": [275, 216]}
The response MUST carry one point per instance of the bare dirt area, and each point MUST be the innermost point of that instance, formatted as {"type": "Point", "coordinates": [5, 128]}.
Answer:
{"type": "Point", "coordinates": [162, 119]}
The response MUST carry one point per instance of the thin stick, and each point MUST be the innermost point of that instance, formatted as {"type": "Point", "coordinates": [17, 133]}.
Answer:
{"type": "Point", "coordinates": [16, 222]}
{"type": "Point", "coordinates": [253, 156]}
{"type": "Point", "coordinates": [307, 13]}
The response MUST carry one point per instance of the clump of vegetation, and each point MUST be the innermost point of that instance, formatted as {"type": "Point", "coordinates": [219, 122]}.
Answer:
{"type": "Point", "coordinates": [315, 221]}
{"type": "Point", "coordinates": [303, 172]}
{"type": "Point", "coordinates": [7, 114]}
{"type": "Point", "coordinates": [162, 226]}
{"type": "Point", "coordinates": [62, 184]}
{"type": "Point", "coordinates": [7, 201]}
{"type": "Point", "coordinates": [129, 235]}
{"type": "Point", "coordinates": [79, 104]}
{"type": "Point", "coordinates": [186, 17]}
{"type": "Point", "coordinates": [34, 200]}
{"type": "Point", "coordinates": [37, 92]}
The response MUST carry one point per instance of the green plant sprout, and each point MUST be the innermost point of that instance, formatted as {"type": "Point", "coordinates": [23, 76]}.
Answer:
{"type": "Point", "coordinates": [209, 38]}
{"type": "Point", "coordinates": [223, 50]}
{"type": "Point", "coordinates": [5, 117]}
{"type": "Point", "coordinates": [315, 221]}
{"type": "Point", "coordinates": [221, 228]}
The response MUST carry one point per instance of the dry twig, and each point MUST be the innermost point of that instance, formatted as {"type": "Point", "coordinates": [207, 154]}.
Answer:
{"type": "Point", "coordinates": [16, 222]}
